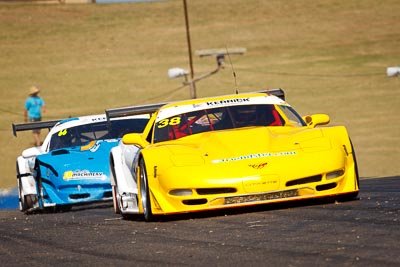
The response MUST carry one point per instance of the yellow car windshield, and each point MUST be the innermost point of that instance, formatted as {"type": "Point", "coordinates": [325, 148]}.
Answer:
{"type": "Point", "coordinates": [215, 119]}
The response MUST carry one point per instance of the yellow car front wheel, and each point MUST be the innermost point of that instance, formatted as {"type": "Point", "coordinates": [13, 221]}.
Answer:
{"type": "Point", "coordinates": [144, 192]}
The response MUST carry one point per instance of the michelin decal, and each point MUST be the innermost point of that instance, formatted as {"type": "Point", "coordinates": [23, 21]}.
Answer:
{"type": "Point", "coordinates": [83, 174]}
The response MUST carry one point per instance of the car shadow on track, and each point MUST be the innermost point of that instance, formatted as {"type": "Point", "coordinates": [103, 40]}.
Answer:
{"type": "Point", "coordinates": [72, 208]}
{"type": "Point", "coordinates": [239, 210]}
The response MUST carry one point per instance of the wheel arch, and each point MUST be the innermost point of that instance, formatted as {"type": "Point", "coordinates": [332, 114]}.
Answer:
{"type": "Point", "coordinates": [25, 177]}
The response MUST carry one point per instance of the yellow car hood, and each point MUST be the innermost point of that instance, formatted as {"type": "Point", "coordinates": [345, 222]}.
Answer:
{"type": "Point", "coordinates": [243, 144]}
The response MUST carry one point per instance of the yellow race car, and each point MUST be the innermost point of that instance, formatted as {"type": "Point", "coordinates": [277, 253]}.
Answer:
{"type": "Point", "coordinates": [230, 151]}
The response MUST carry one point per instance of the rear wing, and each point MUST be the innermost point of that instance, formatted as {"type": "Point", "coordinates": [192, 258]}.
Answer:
{"type": "Point", "coordinates": [110, 113]}
{"type": "Point", "coordinates": [33, 126]}
{"type": "Point", "coordinates": [151, 108]}
{"type": "Point", "coordinates": [134, 110]}
{"type": "Point", "coordinates": [276, 92]}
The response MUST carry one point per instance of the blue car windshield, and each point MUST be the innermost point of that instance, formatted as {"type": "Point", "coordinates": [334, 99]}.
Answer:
{"type": "Point", "coordinates": [222, 118]}
{"type": "Point", "coordinates": [82, 134]}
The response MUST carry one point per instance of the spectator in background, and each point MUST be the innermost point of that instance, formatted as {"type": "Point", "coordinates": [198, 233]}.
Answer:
{"type": "Point", "coordinates": [34, 106]}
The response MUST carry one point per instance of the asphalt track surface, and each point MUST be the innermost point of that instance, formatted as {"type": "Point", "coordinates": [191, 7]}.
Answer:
{"type": "Point", "coordinates": [363, 232]}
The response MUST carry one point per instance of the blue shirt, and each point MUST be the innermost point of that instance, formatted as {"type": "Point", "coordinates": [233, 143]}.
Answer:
{"type": "Point", "coordinates": [34, 107]}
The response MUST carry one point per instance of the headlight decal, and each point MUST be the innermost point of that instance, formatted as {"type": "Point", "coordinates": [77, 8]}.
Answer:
{"type": "Point", "coordinates": [334, 174]}
{"type": "Point", "coordinates": [181, 192]}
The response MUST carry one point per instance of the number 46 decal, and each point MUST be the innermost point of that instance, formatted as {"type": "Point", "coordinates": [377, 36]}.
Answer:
{"type": "Point", "coordinates": [62, 132]}
{"type": "Point", "coordinates": [172, 121]}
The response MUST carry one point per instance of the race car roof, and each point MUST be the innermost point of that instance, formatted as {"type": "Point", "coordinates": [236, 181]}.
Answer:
{"type": "Point", "coordinates": [182, 107]}
{"type": "Point", "coordinates": [151, 108]}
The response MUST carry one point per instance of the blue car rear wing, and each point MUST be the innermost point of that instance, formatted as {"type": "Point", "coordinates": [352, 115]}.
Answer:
{"type": "Point", "coordinates": [33, 126]}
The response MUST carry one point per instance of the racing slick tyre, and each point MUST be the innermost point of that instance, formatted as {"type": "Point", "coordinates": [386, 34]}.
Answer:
{"type": "Point", "coordinates": [26, 202]}
{"type": "Point", "coordinates": [21, 196]}
{"type": "Point", "coordinates": [30, 201]}
{"type": "Point", "coordinates": [144, 192]}
{"type": "Point", "coordinates": [352, 195]}
{"type": "Point", "coordinates": [114, 190]}
{"type": "Point", "coordinates": [117, 210]}
{"type": "Point", "coordinates": [355, 166]}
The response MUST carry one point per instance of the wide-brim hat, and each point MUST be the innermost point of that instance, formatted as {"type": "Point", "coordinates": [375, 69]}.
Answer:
{"type": "Point", "coordinates": [33, 90]}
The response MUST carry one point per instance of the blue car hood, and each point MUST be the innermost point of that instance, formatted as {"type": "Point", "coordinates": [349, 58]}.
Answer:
{"type": "Point", "coordinates": [77, 165]}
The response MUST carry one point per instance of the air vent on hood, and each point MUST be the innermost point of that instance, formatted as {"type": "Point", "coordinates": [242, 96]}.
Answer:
{"type": "Point", "coordinates": [59, 152]}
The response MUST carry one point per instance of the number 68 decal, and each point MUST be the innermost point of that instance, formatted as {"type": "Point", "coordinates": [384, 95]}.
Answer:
{"type": "Point", "coordinates": [172, 121]}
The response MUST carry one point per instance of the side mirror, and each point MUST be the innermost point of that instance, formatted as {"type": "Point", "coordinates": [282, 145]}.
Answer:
{"type": "Point", "coordinates": [316, 119]}
{"type": "Point", "coordinates": [31, 152]}
{"type": "Point", "coordinates": [134, 139]}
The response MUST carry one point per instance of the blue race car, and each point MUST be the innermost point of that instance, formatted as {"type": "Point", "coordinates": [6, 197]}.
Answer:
{"type": "Point", "coordinates": [71, 167]}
